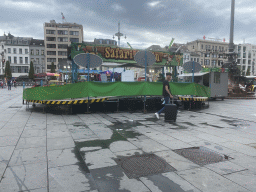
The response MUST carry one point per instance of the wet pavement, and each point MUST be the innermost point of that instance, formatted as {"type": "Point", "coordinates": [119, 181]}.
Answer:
{"type": "Point", "coordinates": [210, 150]}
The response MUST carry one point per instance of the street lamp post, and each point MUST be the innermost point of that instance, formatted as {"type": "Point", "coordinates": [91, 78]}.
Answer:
{"type": "Point", "coordinates": [3, 61]}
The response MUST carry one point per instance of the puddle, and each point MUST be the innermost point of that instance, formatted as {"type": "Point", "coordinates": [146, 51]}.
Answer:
{"type": "Point", "coordinates": [129, 134]}
{"type": "Point", "coordinates": [127, 125]}
{"type": "Point", "coordinates": [79, 124]}
{"type": "Point", "coordinates": [101, 143]}
{"type": "Point", "coordinates": [216, 126]}
{"type": "Point", "coordinates": [188, 123]}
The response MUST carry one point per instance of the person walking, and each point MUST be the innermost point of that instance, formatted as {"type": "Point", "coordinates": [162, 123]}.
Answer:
{"type": "Point", "coordinates": [9, 84]}
{"type": "Point", "coordinates": [166, 93]}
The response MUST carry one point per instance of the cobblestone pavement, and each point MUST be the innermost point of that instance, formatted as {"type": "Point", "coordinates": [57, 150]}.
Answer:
{"type": "Point", "coordinates": [209, 150]}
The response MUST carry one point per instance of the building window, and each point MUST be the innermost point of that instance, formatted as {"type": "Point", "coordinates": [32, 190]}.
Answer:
{"type": "Point", "coordinates": [62, 32]}
{"type": "Point", "coordinates": [220, 56]}
{"type": "Point", "coordinates": [193, 47]}
{"type": "Point", "coordinates": [9, 50]}
{"type": "Point", "coordinates": [10, 59]}
{"type": "Point", "coordinates": [62, 39]}
{"type": "Point", "coordinates": [206, 62]}
{"type": "Point", "coordinates": [51, 52]}
{"type": "Point", "coordinates": [202, 54]}
{"type": "Point", "coordinates": [37, 60]}
{"type": "Point", "coordinates": [26, 51]}
{"type": "Point", "coordinates": [238, 61]}
{"type": "Point", "coordinates": [197, 60]}
{"type": "Point", "coordinates": [244, 61]}
{"type": "Point", "coordinates": [62, 53]}
{"type": "Point", "coordinates": [37, 52]}
{"type": "Point", "coordinates": [63, 46]}
{"type": "Point", "coordinates": [21, 60]}
{"type": "Point", "coordinates": [74, 33]}
{"type": "Point", "coordinates": [107, 41]}
{"type": "Point", "coordinates": [74, 40]}
{"type": "Point", "coordinates": [249, 55]}
{"type": "Point", "coordinates": [51, 45]}
{"type": "Point", "coordinates": [20, 51]}
{"type": "Point", "coordinates": [50, 38]}
{"type": "Point", "coordinates": [14, 50]}
{"type": "Point", "coordinates": [202, 46]}
{"type": "Point", "coordinates": [191, 59]}
{"type": "Point", "coordinates": [25, 68]}
{"type": "Point", "coordinates": [50, 31]}
{"type": "Point", "coordinates": [212, 47]}
{"type": "Point", "coordinates": [244, 55]}
{"type": "Point", "coordinates": [15, 60]}
{"type": "Point", "coordinates": [217, 78]}
{"type": "Point", "coordinates": [202, 62]}
{"type": "Point", "coordinates": [249, 61]}
{"type": "Point", "coordinates": [51, 59]}
{"type": "Point", "coordinates": [19, 69]}
{"type": "Point", "coordinates": [32, 51]}
{"type": "Point", "coordinates": [26, 60]}
{"type": "Point", "coordinates": [215, 48]}
{"type": "Point", "coordinates": [213, 63]}
{"type": "Point", "coordinates": [244, 49]}
{"type": "Point", "coordinates": [42, 52]}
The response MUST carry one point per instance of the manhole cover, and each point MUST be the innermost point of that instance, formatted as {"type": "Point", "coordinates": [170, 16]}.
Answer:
{"type": "Point", "coordinates": [201, 155]}
{"type": "Point", "coordinates": [143, 165]}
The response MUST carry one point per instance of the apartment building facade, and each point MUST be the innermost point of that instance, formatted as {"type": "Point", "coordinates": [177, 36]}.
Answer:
{"type": "Point", "coordinates": [17, 53]}
{"type": "Point", "coordinates": [212, 53]}
{"type": "Point", "coordinates": [37, 55]}
{"type": "Point", "coordinates": [57, 37]}
{"type": "Point", "coordinates": [246, 58]}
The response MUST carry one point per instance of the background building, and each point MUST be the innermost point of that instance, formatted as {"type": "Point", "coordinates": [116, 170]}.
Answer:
{"type": "Point", "coordinates": [246, 58]}
{"type": "Point", "coordinates": [212, 53]}
{"type": "Point", "coordinates": [3, 40]}
{"type": "Point", "coordinates": [37, 55]}
{"type": "Point", "coordinates": [17, 53]}
{"type": "Point", "coordinates": [57, 37]}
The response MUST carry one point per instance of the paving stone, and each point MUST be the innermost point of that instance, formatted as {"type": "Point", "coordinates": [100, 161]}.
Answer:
{"type": "Point", "coordinates": [61, 157]}
{"type": "Point", "coordinates": [34, 133]}
{"type": "Point", "coordinates": [23, 177]}
{"type": "Point", "coordinates": [116, 180]}
{"type": "Point", "coordinates": [128, 153]}
{"type": "Point", "coordinates": [60, 143]}
{"type": "Point", "coordinates": [177, 161]}
{"type": "Point", "coordinates": [3, 166]}
{"type": "Point", "coordinates": [240, 148]}
{"type": "Point", "coordinates": [241, 159]}
{"type": "Point", "coordinates": [99, 159]}
{"type": "Point", "coordinates": [121, 146]}
{"type": "Point", "coordinates": [28, 156]}
{"type": "Point", "coordinates": [225, 167]}
{"type": "Point", "coordinates": [208, 181]}
{"type": "Point", "coordinates": [31, 142]}
{"type": "Point", "coordinates": [244, 178]}
{"type": "Point", "coordinates": [71, 178]}
{"type": "Point", "coordinates": [167, 182]}
{"type": "Point", "coordinates": [57, 134]}
{"type": "Point", "coordinates": [8, 141]}
{"type": "Point", "coordinates": [6, 152]}
{"type": "Point", "coordinates": [148, 145]}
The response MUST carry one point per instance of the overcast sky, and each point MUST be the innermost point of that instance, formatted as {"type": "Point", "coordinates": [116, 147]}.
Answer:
{"type": "Point", "coordinates": [145, 22]}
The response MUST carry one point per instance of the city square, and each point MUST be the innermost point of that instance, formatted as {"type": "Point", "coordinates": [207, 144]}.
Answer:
{"type": "Point", "coordinates": [81, 152]}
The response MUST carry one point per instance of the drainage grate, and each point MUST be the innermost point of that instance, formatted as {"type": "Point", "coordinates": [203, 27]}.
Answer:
{"type": "Point", "coordinates": [201, 155]}
{"type": "Point", "coordinates": [143, 165]}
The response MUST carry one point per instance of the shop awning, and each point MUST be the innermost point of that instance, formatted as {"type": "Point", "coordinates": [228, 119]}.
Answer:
{"type": "Point", "coordinates": [191, 74]}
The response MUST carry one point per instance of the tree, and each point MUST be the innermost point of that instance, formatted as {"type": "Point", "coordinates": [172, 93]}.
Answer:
{"type": "Point", "coordinates": [53, 71]}
{"type": "Point", "coordinates": [31, 71]}
{"type": "Point", "coordinates": [248, 72]}
{"type": "Point", "coordinates": [8, 72]}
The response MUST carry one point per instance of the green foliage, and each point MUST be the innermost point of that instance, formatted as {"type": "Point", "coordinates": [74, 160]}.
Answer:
{"type": "Point", "coordinates": [248, 72]}
{"type": "Point", "coordinates": [53, 71]}
{"type": "Point", "coordinates": [8, 71]}
{"type": "Point", "coordinates": [31, 71]}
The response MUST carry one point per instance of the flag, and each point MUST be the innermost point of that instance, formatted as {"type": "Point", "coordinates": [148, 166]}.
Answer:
{"type": "Point", "coordinates": [204, 37]}
{"type": "Point", "coordinates": [171, 43]}
{"type": "Point", "coordinates": [224, 40]}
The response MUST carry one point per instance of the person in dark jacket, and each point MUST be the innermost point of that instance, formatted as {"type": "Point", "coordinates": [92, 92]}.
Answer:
{"type": "Point", "coordinates": [9, 82]}
{"type": "Point", "coordinates": [166, 93]}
